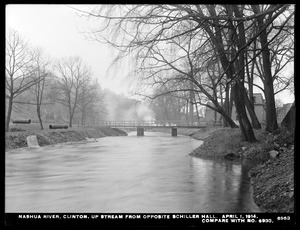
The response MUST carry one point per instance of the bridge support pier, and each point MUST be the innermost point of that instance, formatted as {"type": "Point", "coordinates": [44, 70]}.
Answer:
{"type": "Point", "coordinates": [174, 132]}
{"type": "Point", "coordinates": [140, 131]}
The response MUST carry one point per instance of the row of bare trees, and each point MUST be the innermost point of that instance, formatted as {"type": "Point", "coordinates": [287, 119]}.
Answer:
{"type": "Point", "coordinates": [29, 74]}
{"type": "Point", "coordinates": [77, 88]}
{"type": "Point", "coordinates": [218, 52]}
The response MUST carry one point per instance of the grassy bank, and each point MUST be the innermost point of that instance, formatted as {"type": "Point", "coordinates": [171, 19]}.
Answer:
{"type": "Point", "coordinates": [227, 143]}
{"type": "Point", "coordinates": [17, 138]}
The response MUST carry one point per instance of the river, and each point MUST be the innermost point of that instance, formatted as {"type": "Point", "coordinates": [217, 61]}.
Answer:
{"type": "Point", "coordinates": [124, 174]}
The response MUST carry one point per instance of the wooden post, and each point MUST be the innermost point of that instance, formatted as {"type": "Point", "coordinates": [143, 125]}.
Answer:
{"type": "Point", "coordinates": [140, 131]}
{"type": "Point", "coordinates": [174, 132]}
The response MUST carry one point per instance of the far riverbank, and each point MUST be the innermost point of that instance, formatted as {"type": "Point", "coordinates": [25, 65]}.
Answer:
{"type": "Point", "coordinates": [17, 139]}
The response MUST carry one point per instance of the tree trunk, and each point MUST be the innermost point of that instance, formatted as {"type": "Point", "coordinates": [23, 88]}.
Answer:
{"type": "Point", "coordinates": [230, 122]}
{"type": "Point", "coordinates": [38, 110]}
{"type": "Point", "coordinates": [238, 88]}
{"type": "Point", "coordinates": [242, 128]}
{"type": "Point", "coordinates": [250, 77]}
{"type": "Point", "coordinates": [70, 118]}
{"type": "Point", "coordinates": [178, 110]}
{"type": "Point", "coordinates": [254, 120]}
{"type": "Point", "coordinates": [245, 125]}
{"type": "Point", "coordinates": [192, 99]}
{"type": "Point", "coordinates": [83, 117]}
{"type": "Point", "coordinates": [197, 111]}
{"type": "Point", "coordinates": [271, 119]}
{"type": "Point", "coordinates": [70, 121]}
{"type": "Point", "coordinates": [230, 103]}
{"type": "Point", "coordinates": [191, 110]}
{"type": "Point", "coordinates": [228, 119]}
{"type": "Point", "coordinates": [9, 109]}
{"type": "Point", "coordinates": [226, 104]}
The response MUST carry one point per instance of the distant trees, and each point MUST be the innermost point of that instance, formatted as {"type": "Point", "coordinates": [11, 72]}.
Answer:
{"type": "Point", "coordinates": [210, 50]}
{"type": "Point", "coordinates": [170, 106]}
{"type": "Point", "coordinates": [72, 79]}
{"type": "Point", "coordinates": [35, 81]}
{"type": "Point", "coordinates": [41, 75]}
{"type": "Point", "coordinates": [19, 70]}
{"type": "Point", "coordinates": [90, 96]}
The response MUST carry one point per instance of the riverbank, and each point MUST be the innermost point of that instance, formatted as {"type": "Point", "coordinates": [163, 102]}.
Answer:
{"type": "Point", "coordinates": [272, 180]}
{"type": "Point", "coordinates": [17, 138]}
{"type": "Point", "coordinates": [227, 143]}
{"type": "Point", "coordinates": [273, 177]}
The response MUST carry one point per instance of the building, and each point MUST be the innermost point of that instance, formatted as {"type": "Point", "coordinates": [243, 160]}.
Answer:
{"type": "Point", "coordinates": [282, 111]}
{"type": "Point", "coordinates": [259, 107]}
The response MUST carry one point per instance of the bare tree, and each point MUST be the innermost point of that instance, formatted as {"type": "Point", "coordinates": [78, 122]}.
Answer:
{"type": "Point", "coordinates": [90, 95]}
{"type": "Point", "coordinates": [72, 75]}
{"type": "Point", "coordinates": [271, 119]}
{"type": "Point", "coordinates": [142, 30]}
{"type": "Point", "coordinates": [19, 69]}
{"type": "Point", "coordinates": [234, 66]}
{"type": "Point", "coordinates": [188, 65]}
{"type": "Point", "coordinates": [41, 75]}
{"type": "Point", "coordinates": [281, 52]}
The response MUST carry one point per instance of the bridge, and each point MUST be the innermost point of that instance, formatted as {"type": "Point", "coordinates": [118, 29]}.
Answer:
{"type": "Point", "coordinates": [141, 125]}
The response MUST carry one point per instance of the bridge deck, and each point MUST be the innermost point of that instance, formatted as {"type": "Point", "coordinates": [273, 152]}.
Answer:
{"type": "Point", "coordinates": [144, 126]}
{"type": "Point", "coordinates": [153, 124]}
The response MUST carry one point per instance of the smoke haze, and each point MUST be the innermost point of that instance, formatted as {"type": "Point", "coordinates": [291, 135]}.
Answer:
{"type": "Point", "coordinates": [120, 108]}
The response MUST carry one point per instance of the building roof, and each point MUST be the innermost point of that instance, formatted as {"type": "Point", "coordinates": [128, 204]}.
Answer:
{"type": "Point", "coordinates": [284, 109]}
{"type": "Point", "coordinates": [259, 100]}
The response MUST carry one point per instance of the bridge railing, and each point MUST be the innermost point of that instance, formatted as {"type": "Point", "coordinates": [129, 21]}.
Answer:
{"type": "Point", "coordinates": [151, 123]}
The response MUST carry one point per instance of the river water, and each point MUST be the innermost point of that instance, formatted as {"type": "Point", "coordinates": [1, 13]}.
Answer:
{"type": "Point", "coordinates": [124, 174]}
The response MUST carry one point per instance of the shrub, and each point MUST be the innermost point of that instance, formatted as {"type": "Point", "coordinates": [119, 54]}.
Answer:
{"type": "Point", "coordinates": [259, 152]}
{"type": "Point", "coordinates": [16, 130]}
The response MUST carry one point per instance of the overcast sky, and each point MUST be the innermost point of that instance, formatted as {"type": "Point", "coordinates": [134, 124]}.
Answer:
{"type": "Point", "coordinates": [58, 31]}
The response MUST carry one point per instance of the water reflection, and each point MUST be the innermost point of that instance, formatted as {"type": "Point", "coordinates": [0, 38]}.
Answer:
{"type": "Point", "coordinates": [227, 186]}
{"type": "Point", "coordinates": [153, 173]}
